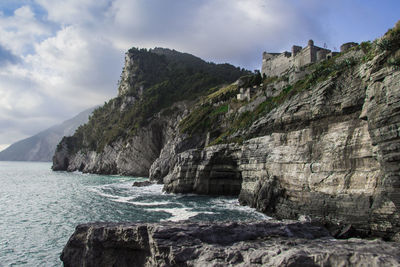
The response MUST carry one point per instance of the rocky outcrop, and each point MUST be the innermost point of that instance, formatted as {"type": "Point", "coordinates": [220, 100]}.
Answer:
{"type": "Point", "coordinates": [142, 184]}
{"type": "Point", "coordinates": [133, 156]}
{"type": "Point", "coordinates": [127, 134]}
{"type": "Point", "coordinates": [268, 243]}
{"type": "Point", "coordinates": [331, 152]}
{"type": "Point", "coordinates": [210, 171]}
{"type": "Point", "coordinates": [126, 157]}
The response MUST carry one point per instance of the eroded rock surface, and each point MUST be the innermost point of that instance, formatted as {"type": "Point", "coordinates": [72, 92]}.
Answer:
{"type": "Point", "coordinates": [210, 171]}
{"type": "Point", "coordinates": [331, 153]}
{"type": "Point", "coordinates": [268, 243]}
{"type": "Point", "coordinates": [133, 156]}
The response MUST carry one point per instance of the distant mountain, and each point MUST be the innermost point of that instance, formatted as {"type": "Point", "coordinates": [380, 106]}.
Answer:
{"type": "Point", "coordinates": [41, 146]}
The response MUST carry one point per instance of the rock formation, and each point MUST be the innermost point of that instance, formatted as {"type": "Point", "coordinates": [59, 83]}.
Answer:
{"type": "Point", "coordinates": [270, 243]}
{"type": "Point", "coordinates": [132, 156]}
{"type": "Point", "coordinates": [128, 133]}
{"type": "Point", "coordinates": [324, 144]}
{"type": "Point", "coordinates": [330, 152]}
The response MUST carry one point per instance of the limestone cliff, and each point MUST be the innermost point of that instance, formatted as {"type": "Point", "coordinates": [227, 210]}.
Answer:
{"type": "Point", "coordinates": [127, 134]}
{"type": "Point", "coordinates": [126, 156]}
{"type": "Point", "coordinates": [330, 151]}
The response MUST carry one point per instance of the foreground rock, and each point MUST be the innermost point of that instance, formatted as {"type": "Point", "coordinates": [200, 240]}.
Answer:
{"type": "Point", "coordinates": [268, 243]}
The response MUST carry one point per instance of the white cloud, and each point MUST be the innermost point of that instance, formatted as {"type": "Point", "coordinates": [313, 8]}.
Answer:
{"type": "Point", "coordinates": [76, 67]}
{"type": "Point", "coordinates": [72, 12]}
{"type": "Point", "coordinates": [218, 30]}
{"type": "Point", "coordinates": [60, 76]}
{"type": "Point", "coordinates": [19, 32]}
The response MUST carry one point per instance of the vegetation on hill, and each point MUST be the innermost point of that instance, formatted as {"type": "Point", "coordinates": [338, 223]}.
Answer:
{"type": "Point", "coordinates": [166, 76]}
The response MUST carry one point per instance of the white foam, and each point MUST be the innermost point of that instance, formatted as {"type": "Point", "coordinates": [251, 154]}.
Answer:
{"type": "Point", "coordinates": [121, 199]}
{"type": "Point", "coordinates": [178, 214]}
{"type": "Point", "coordinates": [233, 204]}
{"type": "Point", "coordinates": [81, 173]}
{"type": "Point", "coordinates": [112, 197]}
{"type": "Point", "coordinates": [138, 203]}
{"type": "Point", "coordinates": [131, 195]}
{"type": "Point", "coordinates": [155, 189]}
{"type": "Point", "coordinates": [128, 199]}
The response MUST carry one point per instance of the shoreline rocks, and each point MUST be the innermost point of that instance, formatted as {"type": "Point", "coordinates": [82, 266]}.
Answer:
{"type": "Point", "coordinates": [142, 183]}
{"type": "Point", "coordinates": [262, 243]}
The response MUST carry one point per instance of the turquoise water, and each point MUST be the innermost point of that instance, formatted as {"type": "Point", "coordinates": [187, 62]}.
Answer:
{"type": "Point", "coordinates": [39, 209]}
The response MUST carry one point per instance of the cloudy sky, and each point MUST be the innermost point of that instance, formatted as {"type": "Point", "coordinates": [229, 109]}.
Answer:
{"type": "Point", "coordinates": [59, 57]}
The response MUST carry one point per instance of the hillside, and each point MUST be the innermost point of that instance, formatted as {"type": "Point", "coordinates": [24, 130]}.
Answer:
{"type": "Point", "coordinates": [319, 141]}
{"type": "Point", "coordinates": [151, 81]}
{"type": "Point", "coordinates": [41, 147]}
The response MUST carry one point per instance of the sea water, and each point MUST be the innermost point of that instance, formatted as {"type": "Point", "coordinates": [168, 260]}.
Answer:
{"type": "Point", "coordinates": [39, 208]}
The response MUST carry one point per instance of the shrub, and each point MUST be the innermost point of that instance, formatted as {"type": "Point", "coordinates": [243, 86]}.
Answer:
{"type": "Point", "coordinates": [391, 40]}
{"type": "Point", "coordinates": [366, 47]}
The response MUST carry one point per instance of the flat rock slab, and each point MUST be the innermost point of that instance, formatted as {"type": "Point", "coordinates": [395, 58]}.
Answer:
{"type": "Point", "coordinates": [263, 243]}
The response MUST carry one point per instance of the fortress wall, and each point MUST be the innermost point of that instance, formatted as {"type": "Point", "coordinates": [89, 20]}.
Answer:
{"type": "Point", "coordinates": [303, 57]}
{"type": "Point", "coordinates": [276, 65]}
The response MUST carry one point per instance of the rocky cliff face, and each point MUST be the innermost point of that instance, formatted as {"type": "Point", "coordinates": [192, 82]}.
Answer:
{"type": "Point", "coordinates": [128, 134]}
{"type": "Point", "coordinates": [330, 152]}
{"type": "Point", "coordinates": [232, 244]}
{"type": "Point", "coordinates": [210, 171]}
{"type": "Point", "coordinates": [133, 156]}
{"type": "Point", "coordinates": [324, 143]}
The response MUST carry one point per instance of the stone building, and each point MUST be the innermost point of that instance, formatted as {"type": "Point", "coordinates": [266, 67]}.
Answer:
{"type": "Point", "coordinates": [276, 64]}
{"type": "Point", "coordinates": [246, 94]}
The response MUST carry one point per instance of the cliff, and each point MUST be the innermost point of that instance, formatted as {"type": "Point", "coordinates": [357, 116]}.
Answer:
{"type": "Point", "coordinates": [325, 146]}
{"type": "Point", "coordinates": [231, 244]}
{"type": "Point", "coordinates": [41, 146]}
{"type": "Point", "coordinates": [321, 161]}
{"type": "Point", "coordinates": [322, 141]}
{"type": "Point", "coordinates": [126, 135]}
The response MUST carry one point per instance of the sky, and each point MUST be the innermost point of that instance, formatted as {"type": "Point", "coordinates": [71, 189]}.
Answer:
{"type": "Point", "coordinates": [59, 57]}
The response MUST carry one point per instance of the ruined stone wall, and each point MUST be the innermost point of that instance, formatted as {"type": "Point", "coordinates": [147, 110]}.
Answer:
{"type": "Point", "coordinates": [276, 65]}
{"type": "Point", "coordinates": [304, 57]}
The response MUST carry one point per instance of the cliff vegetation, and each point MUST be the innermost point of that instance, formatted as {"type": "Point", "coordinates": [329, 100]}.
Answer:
{"type": "Point", "coordinates": [156, 79]}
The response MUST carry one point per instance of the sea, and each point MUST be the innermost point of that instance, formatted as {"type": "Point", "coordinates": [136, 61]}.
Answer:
{"type": "Point", "coordinates": [39, 208]}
